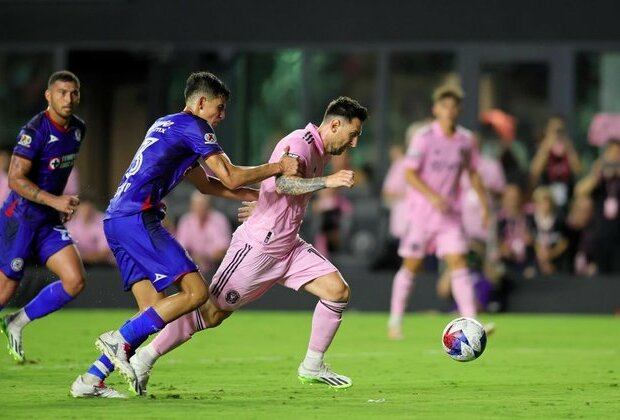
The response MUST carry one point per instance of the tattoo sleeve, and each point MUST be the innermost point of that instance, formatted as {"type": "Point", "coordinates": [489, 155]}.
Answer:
{"type": "Point", "coordinates": [292, 185]}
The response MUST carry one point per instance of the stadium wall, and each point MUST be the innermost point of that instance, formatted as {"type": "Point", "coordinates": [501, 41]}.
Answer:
{"type": "Point", "coordinates": [371, 292]}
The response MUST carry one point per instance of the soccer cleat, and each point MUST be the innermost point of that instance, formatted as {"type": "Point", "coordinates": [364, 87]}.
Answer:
{"type": "Point", "coordinates": [489, 328]}
{"type": "Point", "coordinates": [395, 333]}
{"type": "Point", "coordinates": [323, 375]}
{"type": "Point", "coordinates": [80, 389]}
{"type": "Point", "coordinates": [14, 338]}
{"type": "Point", "coordinates": [113, 345]}
{"type": "Point", "coordinates": [143, 373]}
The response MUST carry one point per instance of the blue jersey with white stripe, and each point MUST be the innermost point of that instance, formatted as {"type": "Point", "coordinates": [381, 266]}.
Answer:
{"type": "Point", "coordinates": [172, 146]}
{"type": "Point", "coordinates": [52, 149]}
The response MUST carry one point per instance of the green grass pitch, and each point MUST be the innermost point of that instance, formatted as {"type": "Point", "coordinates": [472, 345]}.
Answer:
{"type": "Point", "coordinates": [534, 366]}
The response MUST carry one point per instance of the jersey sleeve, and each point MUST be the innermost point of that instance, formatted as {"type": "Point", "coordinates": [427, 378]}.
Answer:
{"type": "Point", "coordinates": [202, 140]}
{"type": "Point", "coordinates": [472, 160]}
{"type": "Point", "coordinates": [416, 152]}
{"type": "Point", "coordinates": [298, 148]}
{"type": "Point", "coordinates": [29, 144]}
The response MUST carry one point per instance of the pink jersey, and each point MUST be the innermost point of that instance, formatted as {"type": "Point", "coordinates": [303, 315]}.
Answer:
{"type": "Point", "coordinates": [88, 235]}
{"type": "Point", "coordinates": [273, 227]}
{"type": "Point", "coordinates": [439, 161]}
{"type": "Point", "coordinates": [4, 186]}
{"type": "Point", "coordinates": [204, 238]}
{"type": "Point", "coordinates": [396, 185]}
{"type": "Point", "coordinates": [492, 176]}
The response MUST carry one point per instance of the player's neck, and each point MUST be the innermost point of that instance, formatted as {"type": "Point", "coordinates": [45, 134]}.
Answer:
{"type": "Point", "coordinates": [57, 119]}
{"type": "Point", "coordinates": [448, 127]}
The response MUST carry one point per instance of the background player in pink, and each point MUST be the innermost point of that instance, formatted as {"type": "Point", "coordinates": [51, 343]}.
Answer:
{"type": "Point", "coordinates": [436, 157]}
{"type": "Point", "coordinates": [267, 249]}
{"type": "Point", "coordinates": [204, 232]}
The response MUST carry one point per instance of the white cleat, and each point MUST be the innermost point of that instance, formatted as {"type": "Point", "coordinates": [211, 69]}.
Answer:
{"type": "Point", "coordinates": [143, 373]}
{"type": "Point", "coordinates": [323, 375]}
{"type": "Point", "coordinates": [489, 328]}
{"type": "Point", "coordinates": [80, 389]}
{"type": "Point", "coordinates": [113, 345]}
{"type": "Point", "coordinates": [14, 338]}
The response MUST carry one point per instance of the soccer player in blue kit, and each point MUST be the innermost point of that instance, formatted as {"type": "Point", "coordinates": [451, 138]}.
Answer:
{"type": "Point", "coordinates": [32, 217]}
{"type": "Point", "coordinates": [149, 257]}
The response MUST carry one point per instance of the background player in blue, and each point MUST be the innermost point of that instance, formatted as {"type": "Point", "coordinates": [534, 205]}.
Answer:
{"type": "Point", "coordinates": [31, 219]}
{"type": "Point", "coordinates": [149, 258]}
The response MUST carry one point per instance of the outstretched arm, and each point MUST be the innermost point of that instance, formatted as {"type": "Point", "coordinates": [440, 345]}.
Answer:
{"type": "Point", "coordinates": [213, 186]}
{"type": "Point", "coordinates": [294, 185]}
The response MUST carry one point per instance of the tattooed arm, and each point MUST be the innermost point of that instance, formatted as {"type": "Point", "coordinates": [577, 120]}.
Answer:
{"type": "Point", "coordinates": [292, 185]}
{"type": "Point", "coordinates": [19, 182]}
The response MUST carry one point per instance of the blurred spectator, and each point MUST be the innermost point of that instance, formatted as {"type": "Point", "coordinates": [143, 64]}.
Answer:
{"type": "Point", "coordinates": [497, 133]}
{"type": "Point", "coordinates": [73, 183]}
{"type": "Point", "coordinates": [603, 185]}
{"type": "Point", "coordinates": [204, 232]}
{"type": "Point", "coordinates": [332, 208]}
{"type": "Point", "coordinates": [514, 234]}
{"type": "Point", "coordinates": [86, 229]}
{"type": "Point", "coordinates": [579, 234]}
{"type": "Point", "coordinates": [5, 160]}
{"type": "Point", "coordinates": [604, 127]}
{"type": "Point", "coordinates": [550, 241]}
{"type": "Point", "coordinates": [556, 163]}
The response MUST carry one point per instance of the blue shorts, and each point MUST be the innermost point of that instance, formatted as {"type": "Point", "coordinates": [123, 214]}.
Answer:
{"type": "Point", "coordinates": [144, 249]}
{"type": "Point", "coordinates": [20, 240]}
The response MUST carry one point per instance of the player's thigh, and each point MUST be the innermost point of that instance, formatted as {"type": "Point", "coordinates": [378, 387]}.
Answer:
{"type": "Point", "coordinates": [452, 246]}
{"type": "Point", "coordinates": [67, 265]}
{"type": "Point", "coordinates": [455, 261]}
{"type": "Point", "coordinates": [413, 264]}
{"type": "Point", "coordinates": [244, 275]}
{"type": "Point", "coordinates": [7, 288]}
{"type": "Point", "coordinates": [145, 294]}
{"type": "Point", "coordinates": [311, 271]}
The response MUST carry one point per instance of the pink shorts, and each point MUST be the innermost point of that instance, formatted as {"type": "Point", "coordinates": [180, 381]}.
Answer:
{"type": "Point", "coordinates": [447, 239]}
{"type": "Point", "coordinates": [246, 274]}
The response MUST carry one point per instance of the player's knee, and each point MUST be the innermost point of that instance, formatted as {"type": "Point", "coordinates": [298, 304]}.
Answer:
{"type": "Point", "coordinates": [341, 292]}
{"type": "Point", "coordinates": [73, 284]}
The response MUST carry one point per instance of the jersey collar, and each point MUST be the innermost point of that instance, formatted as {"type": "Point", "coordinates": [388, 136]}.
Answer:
{"type": "Point", "coordinates": [318, 141]}
{"type": "Point", "coordinates": [55, 124]}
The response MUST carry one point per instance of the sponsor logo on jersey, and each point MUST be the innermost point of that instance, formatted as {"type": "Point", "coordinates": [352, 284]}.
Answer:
{"type": "Point", "coordinates": [54, 163]}
{"type": "Point", "coordinates": [17, 264]}
{"type": "Point", "coordinates": [232, 296]}
{"type": "Point", "coordinates": [78, 135]}
{"type": "Point", "coordinates": [210, 138]}
{"type": "Point", "coordinates": [160, 126]}
{"type": "Point", "coordinates": [65, 161]}
{"type": "Point", "coordinates": [64, 233]}
{"type": "Point", "coordinates": [25, 140]}
{"type": "Point", "coordinates": [53, 138]}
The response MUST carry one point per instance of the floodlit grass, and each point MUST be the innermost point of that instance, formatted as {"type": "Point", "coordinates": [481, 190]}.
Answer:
{"type": "Point", "coordinates": [534, 366]}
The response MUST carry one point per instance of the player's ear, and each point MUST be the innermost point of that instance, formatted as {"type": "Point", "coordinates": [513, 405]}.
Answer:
{"type": "Point", "coordinates": [48, 95]}
{"type": "Point", "coordinates": [335, 124]}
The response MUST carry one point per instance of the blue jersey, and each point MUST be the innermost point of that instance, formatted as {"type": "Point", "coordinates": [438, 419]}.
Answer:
{"type": "Point", "coordinates": [52, 149]}
{"type": "Point", "coordinates": [172, 147]}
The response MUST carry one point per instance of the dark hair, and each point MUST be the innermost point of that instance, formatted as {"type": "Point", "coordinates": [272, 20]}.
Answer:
{"type": "Point", "coordinates": [207, 83]}
{"type": "Point", "coordinates": [347, 108]}
{"type": "Point", "coordinates": [63, 76]}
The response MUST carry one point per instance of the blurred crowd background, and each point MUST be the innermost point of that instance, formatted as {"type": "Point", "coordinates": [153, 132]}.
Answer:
{"type": "Point", "coordinates": [542, 85]}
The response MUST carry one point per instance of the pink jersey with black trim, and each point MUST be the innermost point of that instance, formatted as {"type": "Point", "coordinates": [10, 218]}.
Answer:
{"type": "Point", "coordinates": [275, 223]}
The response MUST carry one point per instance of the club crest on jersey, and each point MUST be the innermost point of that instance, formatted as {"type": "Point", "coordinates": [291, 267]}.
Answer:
{"type": "Point", "coordinates": [17, 264]}
{"type": "Point", "coordinates": [54, 163]}
{"type": "Point", "coordinates": [232, 296]}
{"type": "Point", "coordinates": [210, 138]}
{"type": "Point", "coordinates": [25, 140]}
{"type": "Point", "coordinates": [78, 135]}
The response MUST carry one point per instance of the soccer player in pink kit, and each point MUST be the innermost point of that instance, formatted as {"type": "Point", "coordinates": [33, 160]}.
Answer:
{"type": "Point", "coordinates": [267, 249]}
{"type": "Point", "coordinates": [436, 157]}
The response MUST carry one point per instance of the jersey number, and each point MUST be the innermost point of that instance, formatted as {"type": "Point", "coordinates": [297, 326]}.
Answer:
{"type": "Point", "coordinates": [136, 163]}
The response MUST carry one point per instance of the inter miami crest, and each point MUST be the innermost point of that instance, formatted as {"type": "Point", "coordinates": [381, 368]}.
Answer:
{"type": "Point", "coordinates": [232, 296]}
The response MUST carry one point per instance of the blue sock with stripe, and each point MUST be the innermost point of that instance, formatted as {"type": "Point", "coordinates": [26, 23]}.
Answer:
{"type": "Point", "coordinates": [50, 299]}
{"type": "Point", "coordinates": [101, 368]}
{"type": "Point", "coordinates": [137, 330]}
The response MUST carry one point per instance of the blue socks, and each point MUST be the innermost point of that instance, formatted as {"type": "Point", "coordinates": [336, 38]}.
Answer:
{"type": "Point", "coordinates": [101, 368]}
{"type": "Point", "coordinates": [136, 331]}
{"type": "Point", "coordinates": [50, 299]}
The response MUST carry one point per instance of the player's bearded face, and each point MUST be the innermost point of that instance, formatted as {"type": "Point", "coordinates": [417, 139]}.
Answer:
{"type": "Point", "coordinates": [346, 135]}
{"type": "Point", "coordinates": [63, 98]}
{"type": "Point", "coordinates": [213, 110]}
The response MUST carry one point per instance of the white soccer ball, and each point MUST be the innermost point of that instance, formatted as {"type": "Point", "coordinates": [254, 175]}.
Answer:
{"type": "Point", "coordinates": [464, 339]}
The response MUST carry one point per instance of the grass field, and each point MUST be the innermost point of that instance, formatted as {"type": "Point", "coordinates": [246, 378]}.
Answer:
{"type": "Point", "coordinates": [533, 367]}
